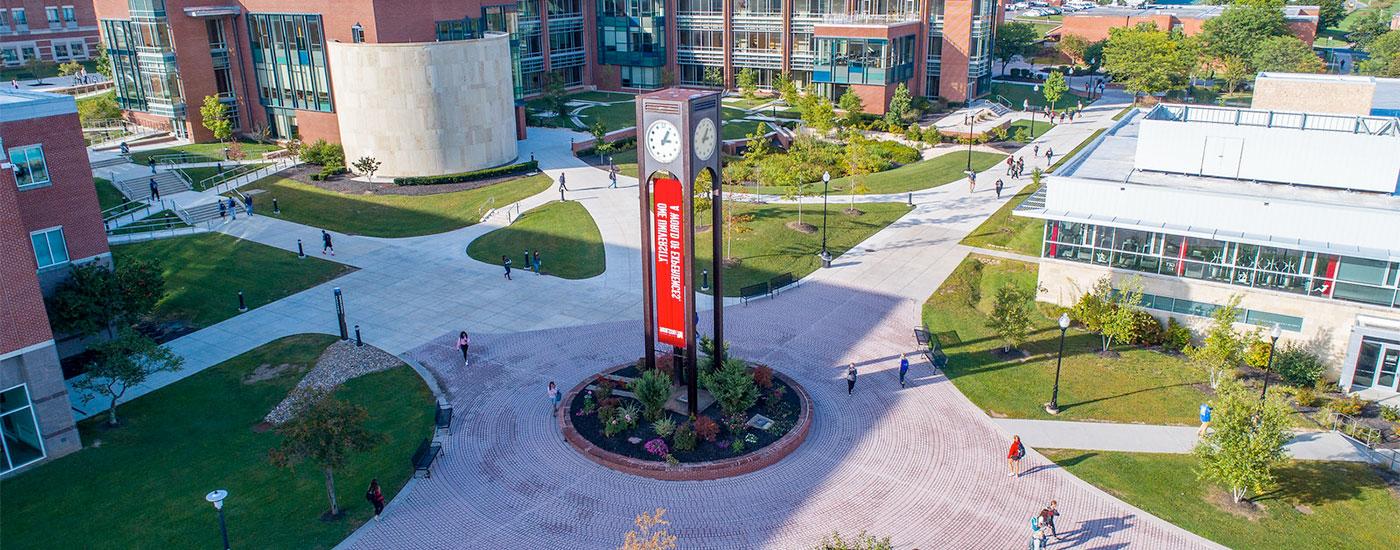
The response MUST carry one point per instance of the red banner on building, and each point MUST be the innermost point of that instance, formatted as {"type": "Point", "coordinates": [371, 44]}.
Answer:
{"type": "Point", "coordinates": [669, 269]}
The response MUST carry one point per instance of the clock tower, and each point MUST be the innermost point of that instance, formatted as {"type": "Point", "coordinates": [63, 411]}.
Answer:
{"type": "Point", "coordinates": [678, 144]}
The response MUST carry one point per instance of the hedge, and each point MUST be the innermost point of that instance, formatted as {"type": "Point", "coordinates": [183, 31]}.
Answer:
{"type": "Point", "coordinates": [508, 170]}
{"type": "Point", "coordinates": [618, 146]}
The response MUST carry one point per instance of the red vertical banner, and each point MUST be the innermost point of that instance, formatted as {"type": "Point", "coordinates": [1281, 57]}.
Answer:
{"type": "Point", "coordinates": [670, 221]}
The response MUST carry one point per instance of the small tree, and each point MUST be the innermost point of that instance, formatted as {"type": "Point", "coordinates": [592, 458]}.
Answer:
{"type": "Point", "coordinates": [1144, 58]}
{"type": "Point", "coordinates": [732, 386]}
{"type": "Point", "coordinates": [860, 160]}
{"type": "Point", "coordinates": [899, 105]}
{"type": "Point", "coordinates": [214, 115]}
{"type": "Point", "coordinates": [747, 81]}
{"type": "Point", "coordinates": [95, 299]}
{"type": "Point", "coordinates": [668, 77]}
{"type": "Point", "coordinates": [650, 533]}
{"type": "Point", "coordinates": [325, 431]}
{"type": "Point", "coordinates": [1234, 70]}
{"type": "Point", "coordinates": [34, 64]}
{"type": "Point", "coordinates": [1074, 47]}
{"type": "Point", "coordinates": [652, 388]}
{"type": "Point", "coordinates": [1054, 88]}
{"type": "Point", "coordinates": [861, 541]}
{"type": "Point", "coordinates": [600, 144]}
{"type": "Point", "coordinates": [103, 62]}
{"type": "Point", "coordinates": [1247, 441]}
{"type": "Point", "coordinates": [735, 223]}
{"type": "Point", "coordinates": [1120, 322]}
{"type": "Point", "coordinates": [122, 362]}
{"type": "Point", "coordinates": [819, 114]}
{"type": "Point", "coordinates": [1094, 307]}
{"type": "Point", "coordinates": [70, 68]}
{"type": "Point", "coordinates": [853, 106]}
{"type": "Point", "coordinates": [1011, 316]}
{"type": "Point", "coordinates": [714, 76]}
{"type": "Point", "coordinates": [1222, 348]}
{"type": "Point", "coordinates": [367, 166]}
{"type": "Point", "coordinates": [1013, 40]}
{"type": "Point", "coordinates": [554, 95]}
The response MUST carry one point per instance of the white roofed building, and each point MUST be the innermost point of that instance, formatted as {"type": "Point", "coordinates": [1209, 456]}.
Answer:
{"type": "Point", "coordinates": [1299, 213]}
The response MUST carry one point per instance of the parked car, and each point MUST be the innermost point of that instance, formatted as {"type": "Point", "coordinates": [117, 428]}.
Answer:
{"type": "Point", "coordinates": [1018, 6]}
{"type": "Point", "coordinates": [1034, 12]}
{"type": "Point", "coordinates": [1038, 3]}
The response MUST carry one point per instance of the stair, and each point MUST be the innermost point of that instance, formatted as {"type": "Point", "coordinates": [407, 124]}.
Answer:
{"type": "Point", "coordinates": [139, 188]}
{"type": "Point", "coordinates": [110, 161]}
{"type": "Point", "coordinates": [999, 109]}
{"type": "Point", "coordinates": [200, 213]}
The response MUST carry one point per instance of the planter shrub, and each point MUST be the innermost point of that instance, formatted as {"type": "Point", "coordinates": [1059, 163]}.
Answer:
{"type": "Point", "coordinates": [1177, 336]}
{"type": "Point", "coordinates": [896, 152]}
{"type": "Point", "coordinates": [1298, 366]}
{"type": "Point", "coordinates": [496, 172]}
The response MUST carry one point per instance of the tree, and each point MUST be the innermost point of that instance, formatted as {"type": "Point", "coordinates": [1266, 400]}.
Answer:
{"type": "Point", "coordinates": [34, 64]}
{"type": "Point", "coordinates": [853, 106]}
{"type": "Point", "coordinates": [553, 94]}
{"type": "Point", "coordinates": [861, 541]}
{"type": "Point", "coordinates": [600, 144]}
{"type": "Point", "coordinates": [1120, 323]}
{"type": "Point", "coordinates": [215, 118]}
{"type": "Point", "coordinates": [1013, 40]}
{"type": "Point", "coordinates": [1074, 47]}
{"type": "Point", "coordinates": [103, 62]}
{"type": "Point", "coordinates": [1054, 88]}
{"type": "Point", "coordinates": [650, 533]}
{"type": "Point", "coordinates": [732, 386]}
{"type": "Point", "coordinates": [1235, 71]}
{"type": "Point", "coordinates": [95, 299]}
{"type": "Point", "coordinates": [1246, 442]}
{"type": "Point", "coordinates": [1222, 348]}
{"type": "Point", "coordinates": [668, 77]}
{"type": "Point", "coordinates": [1242, 28]}
{"type": "Point", "coordinates": [70, 68]}
{"type": "Point", "coordinates": [747, 81]}
{"type": "Point", "coordinates": [861, 160]}
{"type": "Point", "coordinates": [1385, 56]}
{"type": "Point", "coordinates": [652, 389]}
{"type": "Point", "coordinates": [1330, 12]}
{"type": "Point", "coordinates": [325, 431]}
{"type": "Point", "coordinates": [367, 166]}
{"type": "Point", "coordinates": [1286, 54]}
{"type": "Point", "coordinates": [1011, 316]}
{"type": "Point", "coordinates": [714, 76]}
{"type": "Point", "coordinates": [121, 363]}
{"type": "Point", "coordinates": [1368, 27]}
{"type": "Point", "coordinates": [820, 115]}
{"type": "Point", "coordinates": [782, 82]}
{"type": "Point", "coordinates": [735, 223]}
{"type": "Point", "coordinates": [1144, 59]}
{"type": "Point", "coordinates": [899, 105]}
{"type": "Point", "coordinates": [790, 93]}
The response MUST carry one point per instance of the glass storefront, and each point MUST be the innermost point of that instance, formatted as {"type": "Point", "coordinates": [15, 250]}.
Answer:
{"type": "Point", "coordinates": [1377, 363]}
{"type": "Point", "coordinates": [20, 441]}
{"type": "Point", "coordinates": [1361, 280]}
{"type": "Point", "coordinates": [863, 60]}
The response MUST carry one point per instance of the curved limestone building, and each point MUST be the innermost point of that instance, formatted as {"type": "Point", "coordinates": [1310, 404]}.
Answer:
{"type": "Point", "coordinates": [426, 108]}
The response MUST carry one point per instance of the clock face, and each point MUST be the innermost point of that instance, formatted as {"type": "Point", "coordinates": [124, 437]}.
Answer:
{"type": "Point", "coordinates": [663, 141]}
{"type": "Point", "coordinates": [705, 139]}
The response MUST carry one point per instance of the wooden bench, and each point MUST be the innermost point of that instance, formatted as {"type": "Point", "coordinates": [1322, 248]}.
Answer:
{"type": "Point", "coordinates": [930, 347]}
{"type": "Point", "coordinates": [780, 282]}
{"type": "Point", "coordinates": [423, 458]}
{"type": "Point", "coordinates": [443, 421]}
{"type": "Point", "coordinates": [753, 291]}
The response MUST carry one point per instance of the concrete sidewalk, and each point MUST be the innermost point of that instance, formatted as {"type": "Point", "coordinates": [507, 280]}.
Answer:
{"type": "Point", "coordinates": [1147, 438]}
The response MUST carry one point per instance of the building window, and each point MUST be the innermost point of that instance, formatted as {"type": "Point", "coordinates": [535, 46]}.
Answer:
{"type": "Point", "coordinates": [30, 168]}
{"type": "Point", "coordinates": [21, 442]}
{"type": "Point", "coordinates": [49, 247]}
{"type": "Point", "coordinates": [70, 17]}
{"type": "Point", "coordinates": [51, 13]}
{"type": "Point", "coordinates": [21, 20]}
{"type": "Point", "coordinates": [289, 61]}
{"type": "Point", "coordinates": [357, 33]}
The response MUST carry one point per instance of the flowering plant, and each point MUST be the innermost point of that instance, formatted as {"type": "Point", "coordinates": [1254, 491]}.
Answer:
{"type": "Point", "coordinates": [658, 447]}
{"type": "Point", "coordinates": [750, 439]}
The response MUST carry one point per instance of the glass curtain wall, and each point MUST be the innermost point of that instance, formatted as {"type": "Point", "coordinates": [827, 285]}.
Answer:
{"type": "Point", "coordinates": [144, 73]}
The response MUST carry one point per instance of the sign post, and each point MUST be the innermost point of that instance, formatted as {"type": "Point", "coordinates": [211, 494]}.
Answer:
{"type": "Point", "coordinates": [678, 142]}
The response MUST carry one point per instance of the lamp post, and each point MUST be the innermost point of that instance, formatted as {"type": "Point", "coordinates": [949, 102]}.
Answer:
{"type": "Point", "coordinates": [1036, 88]}
{"type": "Point", "coordinates": [1026, 106]}
{"type": "Point", "coordinates": [826, 186]}
{"type": "Point", "coordinates": [1273, 342]}
{"type": "Point", "coordinates": [968, 119]}
{"type": "Point", "coordinates": [216, 497]}
{"type": "Point", "coordinates": [1053, 407]}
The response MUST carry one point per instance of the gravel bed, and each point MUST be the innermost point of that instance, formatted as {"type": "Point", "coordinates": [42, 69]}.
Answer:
{"type": "Point", "coordinates": [340, 362]}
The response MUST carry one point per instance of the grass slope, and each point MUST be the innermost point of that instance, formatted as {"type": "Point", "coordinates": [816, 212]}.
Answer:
{"type": "Point", "coordinates": [569, 243]}
{"type": "Point", "coordinates": [1006, 231]}
{"type": "Point", "coordinates": [922, 174]}
{"type": "Point", "coordinates": [204, 152]}
{"type": "Point", "coordinates": [144, 486]}
{"type": "Point", "coordinates": [390, 215]}
{"type": "Point", "coordinates": [107, 194]}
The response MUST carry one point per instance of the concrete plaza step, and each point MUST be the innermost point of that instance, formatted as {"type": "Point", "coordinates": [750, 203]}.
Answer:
{"type": "Point", "coordinates": [139, 188]}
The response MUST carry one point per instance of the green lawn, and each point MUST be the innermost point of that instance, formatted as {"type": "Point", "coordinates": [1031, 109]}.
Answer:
{"type": "Point", "coordinates": [1322, 505]}
{"type": "Point", "coordinates": [391, 215]}
{"type": "Point", "coordinates": [198, 174]}
{"type": "Point", "coordinates": [606, 97]}
{"type": "Point", "coordinates": [142, 485]}
{"type": "Point", "coordinates": [744, 103]}
{"type": "Point", "coordinates": [1017, 93]}
{"type": "Point", "coordinates": [568, 241]}
{"type": "Point", "coordinates": [740, 129]}
{"type": "Point", "coordinates": [164, 219]}
{"type": "Point", "coordinates": [922, 174]}
{"type": "Point", "coordinates": [107, 194]}
{"type": "Point", "coordinates": [204, 272]}
{"type": "Point", "coordinates": [1041, 127]}
{"type": "Point", "coordinates": [615, 117]}
{"type": "Point", "coordinates": [727, 114]}
{"type": "Point", "coordinates": [1140, 386]}
{"type": "Point", "coordinates": [1005, 231]}
{"type": "Point", "coordinates": [1123, 113]}
{"type": "Point", "coordinates": [205, 152]}
{"type": "Point", "coordinates": [45, 70]}
{"type": "Point", "coordinates": [771, 248]}
{"type": "Point", "coordinates": [626, 162]}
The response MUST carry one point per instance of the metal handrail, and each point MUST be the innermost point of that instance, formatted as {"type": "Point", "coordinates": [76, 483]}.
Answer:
{"type": "Point", "coordinates": [485, 207]}
{"type": "Point", "coordinates": [237, 171]}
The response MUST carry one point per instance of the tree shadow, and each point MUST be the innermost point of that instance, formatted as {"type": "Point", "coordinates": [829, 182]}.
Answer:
{"type": "Point", "coordinates": [1066, 406]}
{"type": "Point", "coordinates": [1316, 483]}
{"type": "Point", "coordinates": [1087, 531]}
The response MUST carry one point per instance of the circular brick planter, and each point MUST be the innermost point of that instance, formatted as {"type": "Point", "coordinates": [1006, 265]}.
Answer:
{"type": "Point", "coordinates": [693, 471]}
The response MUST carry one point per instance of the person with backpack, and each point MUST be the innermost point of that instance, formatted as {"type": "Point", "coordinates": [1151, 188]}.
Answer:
{"type": "Point", "coordinates": [326, 243]}
{"type": "Point", "coordinates": [232, 208]}
{"type": "Point", "coordinates": [1014, 456]}
{"type": "Point", "coordinates": [1049, 156]}
{"type": "Point", "coordinates": [155, 190]}
{"type": "Point", "coordinates": [537, 262]}
{"type": "Point", "coordinates": [851, 379]}
{"type": "Point", "coordinates": [1037, 534]}
{"type": "Point", "coordinates": [999, 187]}
{"type": "Point", "coordinates": [505, 262]}
{"type": "Point", "coordinates": [1047, 519]}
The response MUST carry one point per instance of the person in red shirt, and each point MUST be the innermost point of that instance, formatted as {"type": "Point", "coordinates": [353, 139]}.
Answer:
{"type": "Point", "coordinates": [1013, 457]}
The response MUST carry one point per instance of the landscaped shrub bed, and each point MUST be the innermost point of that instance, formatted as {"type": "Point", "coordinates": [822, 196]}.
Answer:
{"type": "Point", "coordinates": [713, 438]}
{"type": "Point", "coordinates": [496, 172]}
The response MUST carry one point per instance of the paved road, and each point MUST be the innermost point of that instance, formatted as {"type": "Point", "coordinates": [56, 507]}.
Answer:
{"type": "Point", "coordinates": [1146, 438]}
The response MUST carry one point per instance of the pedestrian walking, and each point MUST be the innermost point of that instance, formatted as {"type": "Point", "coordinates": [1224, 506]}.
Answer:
{"type": "Point", "coordinates": [14, 83]}
{"type": "Point", "coordinates": [155, 190]}
{"type": "Point", "coordinates": [505, 262]}
{"type": "Point", "coordinates": [232, 208]}
{"type": "Point", "coordinates": [1037, 534]}
{"type": "Point", "coordinates": [1010, 164]}
{"type": "Point", "coordinates": [375, 497]}
{"type": "Point", "coordinates": [903, 368]}
{"type": "Point", "coordinates": [851, 379]}
{"type": "Point", "coordinates": [537, 263]}
{"type": "Point", "coordinates": [1014, 456]}
{"type": "Point", "coordinates": [971, 181]}
{"type": "Point", "coordinates": [612, 178]}
{"type": "Point", "coordinates": [1047, 519]}
{"type": "Point", "coordinates": [1049, 155]}
{"type": "Point", "coordinates": [152, 163]}
{"type": "Point", "coordinates": [1035, 151]}
{"type": "Point", "coordinates": [999, 186]}
{"type": "Point", "coordinates": [125, 149]}
{"type": "Point", "coordinates": [463, 342]}
{"type": "Point", "coordinates": [326, 245]}
{"type": "Point", "coordinates": [223, 210]}
{"type": "Point", "coordinates": [1205, 419]}
{"type": "Point", "coordinates": [554, 396]}
{"type": "Point", "coordinates": [248, 205]}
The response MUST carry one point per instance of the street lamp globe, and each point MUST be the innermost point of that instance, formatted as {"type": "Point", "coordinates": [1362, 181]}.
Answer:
{"type": "Point", "coordinates": [826, 177]}
{"type": "Point", "coordinates": [216, 497]}
{"type": "Point", "coordinates": [1064, 321]}
{"type": "Point", "coordinates": [1276, 332]}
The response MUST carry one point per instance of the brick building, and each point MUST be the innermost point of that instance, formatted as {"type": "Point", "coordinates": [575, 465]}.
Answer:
{"type": "Point", "coordinates": [49, 221]}
{"type": "Point", "coordinates": [1094, 24]}
{"type": "Point", "coordinates": [54, 31]}
{"type": "Point", "coordinates": [267, 59]}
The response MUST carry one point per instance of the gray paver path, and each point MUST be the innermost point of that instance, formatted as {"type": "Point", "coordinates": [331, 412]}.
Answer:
{"type": "Point", "coordinates": [1146, 438]}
